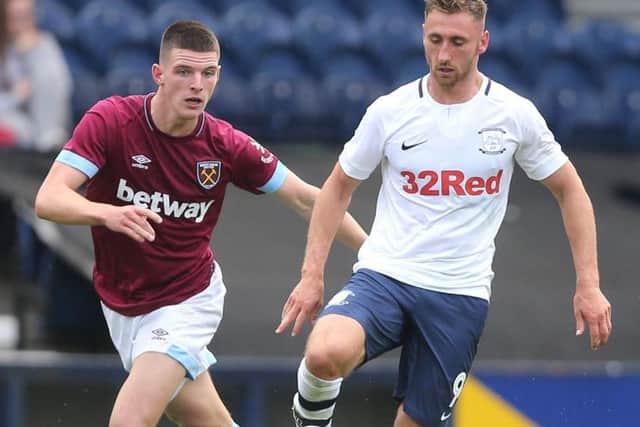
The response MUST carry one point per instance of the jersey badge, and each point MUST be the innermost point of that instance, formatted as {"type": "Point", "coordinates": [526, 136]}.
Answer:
{"type": "Point", "coordinates": [208, 173]}
{"type": "Point", "coordinates": [492, 141]}
{"type": "Point", "coordinates": [140, 161]}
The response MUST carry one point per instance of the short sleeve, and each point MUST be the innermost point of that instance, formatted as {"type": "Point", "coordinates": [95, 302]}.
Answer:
{"type": "Point", "coordinates": [539, 154]}
{"type": "Point", "coordinates": [87, 148]}
{"type": "Point", "coordinates": [255, 168]}
{"type": "Point", "coordinates": [363, 152]}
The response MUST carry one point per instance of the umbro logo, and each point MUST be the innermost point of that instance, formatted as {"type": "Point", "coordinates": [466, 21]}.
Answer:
{"type": "Point", "coordinates": [140, 161]}
{"type": "Point", "coordinates": [159, 332]}
{"type": "Point", "coordinates": [406, 146]}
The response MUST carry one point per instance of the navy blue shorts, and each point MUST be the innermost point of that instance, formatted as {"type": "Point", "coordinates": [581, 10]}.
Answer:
{"type": "Point", "coordinates": [438, 332]}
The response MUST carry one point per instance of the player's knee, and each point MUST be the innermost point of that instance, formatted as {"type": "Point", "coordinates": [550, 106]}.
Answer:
{"type": "Point", "coordinates": [131, 419]}
{"type": "Point", "coordinates": [404, 420]}
{"type": "Point", "coordinates": [329, 361]}
{"type": "Point", "coordinates": [200, 414]}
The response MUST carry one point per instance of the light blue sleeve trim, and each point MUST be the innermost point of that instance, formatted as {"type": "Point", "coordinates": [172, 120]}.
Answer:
{"type": "Point", "coordinates": [191, 364]}
{"type": "Point", "coordinates": [276, 180]}
{"type": "Point", "coordinates": [78, 162]}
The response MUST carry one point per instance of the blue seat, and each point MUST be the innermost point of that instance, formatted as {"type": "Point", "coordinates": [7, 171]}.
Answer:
{"type": "Point", "coordinates": [138, 58]}
{"type": "Point", "coordinates": [351, 83]}
{"type": "Point", "coordinates": [56, 18]}
{"type": "Point", "coordinates": [103, 25]}
{"type": "Point", "coordinates": [291, 7]}
{"type": "Point", "coordinates": [87, 86]}
{"type": "Point", "coordinates": [600, 43]}
{"type": "Point", "coordinates": [591, 122]}
{"type": "Point", "coordinates": [281, 85]}
{"type": "Point", "coordinates": [364, 8]}
{"type": "Point", "coordinates": [530, 43]}
{"type": "Point", "coordinates": [502, 71]}
{"type": "Point", "coordinates": [547, 10]}
{"type": "Point", "coordinates": [391, 35]}
{"type": "Point", "coordinates": [131, 77]}
{"type": "Point", "coordinates": [558, 88]}
{"type": "Point", "coordinates": [252, 28]}
{"type": "Point", "coordinates": [323, 28]}
{"type": "Point", "coordinates": [170, 11]}
{"type": "Point", "coordinates": [411, 68]}
{"type": "Point", "coordinates": [632, 132]}
{"type": "Point", "coordinates": [232, 101]}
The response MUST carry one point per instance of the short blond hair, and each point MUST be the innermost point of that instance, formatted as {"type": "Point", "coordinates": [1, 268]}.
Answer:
{"type": "Point", "coordinates": [477, 8]}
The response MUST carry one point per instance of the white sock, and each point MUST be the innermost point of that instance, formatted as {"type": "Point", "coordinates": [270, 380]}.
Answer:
{"type": "Point", "coordinates": [316, 398]}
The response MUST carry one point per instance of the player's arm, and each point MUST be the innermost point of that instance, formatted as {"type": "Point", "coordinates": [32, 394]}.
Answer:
{"type": "Point", "coordinates": [301, 196]}
{"type": "Point", "coordinates": [58, 200]}
{"type": "Point", "coordinates": [590, 305]}
{"type": "Point", "coordinates": [306, 299]}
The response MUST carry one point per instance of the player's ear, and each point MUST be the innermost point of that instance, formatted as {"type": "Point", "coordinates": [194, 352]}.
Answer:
{"type": "Point", "coordinates": [157, 74]}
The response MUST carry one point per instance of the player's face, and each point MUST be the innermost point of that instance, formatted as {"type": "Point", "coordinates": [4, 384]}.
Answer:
{"type": "Point", "coordinates": [453, 43]}
{"type": "Point", "coordinates": [186, 80]}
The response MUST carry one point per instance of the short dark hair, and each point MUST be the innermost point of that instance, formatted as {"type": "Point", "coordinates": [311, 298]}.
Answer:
{"type": "Point", "coordinates": [477, 8]}
{"type": "Point", "coordinates": [191, 35]}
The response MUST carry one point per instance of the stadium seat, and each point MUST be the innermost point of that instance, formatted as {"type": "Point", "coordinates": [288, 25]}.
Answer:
{"type": "Point", "coordinates": [632, 132]}
{"type": "Point", "coordinates": [557, 89]}
{"type": "Point", "coordinates": [530, 43]}
{"type": "Point", "coordinates": [252, 28]}
{"type": "Point", "coordinates": [170, 11]}
{"type": "Point", "coordinates": [129, 73]}
{"type": "Point", "coordinates": [351, 83]}
{"type": "Point", "coordinates": [291, 7]}
{"type": "Point", "coordinates": [287, 97]}
{"type": "Point", "coordinates": [86, 83]}
{"type": "Point", "coordinates": [363, 8]}
{"type": "Point", "coordinates": [323, 28]}
{"type": "Point", "coordinates": [590, 122]}
{"type": "Point", "coordinates": [232, 101]}
{"type": "Point", "coordinates": [411, 68]}
{"type": "Point", "coordinates": [502, 71]}
{"type": "Point", "coordinates": [391, 35]}
{"type": "Point", "coordinates": [103, 25]}
{"type": "Point", "coordinates": [56, 18]}
{"type": "Point", "coordinates": [600, 43]}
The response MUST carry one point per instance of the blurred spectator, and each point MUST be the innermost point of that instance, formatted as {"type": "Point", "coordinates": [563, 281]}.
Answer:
{"type": "Point", "coordinates": [35, 82]}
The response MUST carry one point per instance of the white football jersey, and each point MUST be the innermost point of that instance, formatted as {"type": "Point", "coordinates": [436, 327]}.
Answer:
{"type": "Point", "coordinates": [446, 171]}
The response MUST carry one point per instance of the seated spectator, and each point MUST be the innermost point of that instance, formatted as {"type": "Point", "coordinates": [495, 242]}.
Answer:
{"type": "Point", "coordinates": [35, 82]}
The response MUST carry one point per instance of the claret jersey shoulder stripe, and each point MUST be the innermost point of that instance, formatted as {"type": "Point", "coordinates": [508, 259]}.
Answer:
{"type": "Point", "coordinates": [446, 170]}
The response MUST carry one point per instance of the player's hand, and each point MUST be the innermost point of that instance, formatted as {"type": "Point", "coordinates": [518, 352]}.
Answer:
{"type": "Point", "coordinates": [132, 221]}
{"type": "Point", "coordinates": [304, 304]}
{"type": "Point", "coordinates": [590, 306]}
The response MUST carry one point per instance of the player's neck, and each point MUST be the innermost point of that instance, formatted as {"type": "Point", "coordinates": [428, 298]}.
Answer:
{"type": "Point", "coordinates": [167, 121]}
{"type": "Point", "coordinates": [462, 91]}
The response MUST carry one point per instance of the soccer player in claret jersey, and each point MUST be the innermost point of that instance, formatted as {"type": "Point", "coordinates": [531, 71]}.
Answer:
{"type": "Point", "coordinates": [157, 168]}
{"type": "Point", "coordinates": [447, 144]}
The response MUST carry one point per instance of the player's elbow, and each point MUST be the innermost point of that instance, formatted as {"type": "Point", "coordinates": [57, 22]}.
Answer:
{"type": "Point", "coordinates": [42, 205]}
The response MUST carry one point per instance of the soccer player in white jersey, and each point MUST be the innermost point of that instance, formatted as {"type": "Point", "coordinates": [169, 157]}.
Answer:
{"type": "Point", "coordinates": [447, 144]}
{"type": "Point", "coordinates": [157, 168]}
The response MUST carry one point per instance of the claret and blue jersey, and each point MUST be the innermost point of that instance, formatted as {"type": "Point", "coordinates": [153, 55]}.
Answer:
{"type": "Point", "coordinates": [130, 161]}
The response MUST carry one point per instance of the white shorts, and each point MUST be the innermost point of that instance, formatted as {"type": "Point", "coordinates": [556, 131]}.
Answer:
{"type": "Point", "coordinates": [181, 331]}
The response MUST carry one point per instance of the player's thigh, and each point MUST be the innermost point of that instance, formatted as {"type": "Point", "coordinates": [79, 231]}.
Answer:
{"type": "Point", "coordinates": [198, 404]}
{"type": "Point", "coordinates": [147, 390]}
{"type": "Point", "coordinates": [404, 420]}
{"type": "Point", "coordinates": [437, 353]}
{"type": "Point", "coordinates": [359, 323]}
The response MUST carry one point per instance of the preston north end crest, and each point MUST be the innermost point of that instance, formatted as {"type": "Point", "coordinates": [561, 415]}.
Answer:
{"type": "Point", "coordinates": [208, 173]}
{"type": "Point", "coordinates": [492, 141]}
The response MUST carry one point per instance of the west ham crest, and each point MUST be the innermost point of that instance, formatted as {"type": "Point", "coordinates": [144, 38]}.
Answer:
{"type": "Point", "coordinates": [208, 173]}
